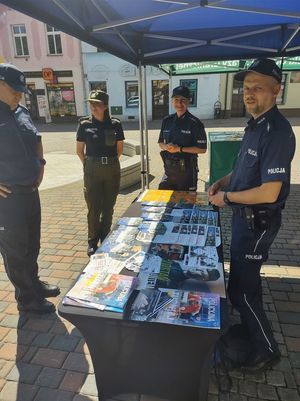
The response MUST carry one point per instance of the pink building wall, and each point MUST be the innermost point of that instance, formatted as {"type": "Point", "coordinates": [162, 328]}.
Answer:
{"type": "Point", "coordinates": [38, 51]}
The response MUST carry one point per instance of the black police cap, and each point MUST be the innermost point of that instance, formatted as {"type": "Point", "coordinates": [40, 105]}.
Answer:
{"type": "Point", "coordinates": [98, 96]}
{"type": "Point", "coordinates": [264, 66]}
{"type": "Point", "coordinates": [182, 91]}
{"type": "Point", "coordinates": [14, 77]}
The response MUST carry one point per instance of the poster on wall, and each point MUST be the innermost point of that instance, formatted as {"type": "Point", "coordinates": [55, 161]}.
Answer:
{"type": "Point", "coordinates": [192, 84]}
{"type": "Point", "coordinates": [42, 104]}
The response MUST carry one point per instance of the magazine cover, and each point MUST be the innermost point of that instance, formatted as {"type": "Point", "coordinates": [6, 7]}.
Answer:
{"type": "Point", "coordinates": [103, 289]}
{"type": "Point", "coordinates": [167, 196]}
{"type": "Point", "coordinates": [186, 308]}
{"type": "Point", "coordinates": [196, 268]}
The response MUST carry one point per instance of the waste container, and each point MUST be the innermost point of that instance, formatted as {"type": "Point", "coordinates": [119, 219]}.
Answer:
{"type": "Point", "coordinates": [223, 151]}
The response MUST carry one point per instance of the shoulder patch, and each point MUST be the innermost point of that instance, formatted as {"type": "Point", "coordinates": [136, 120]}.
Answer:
{"type": "Point", "coordinates": [85, 119]}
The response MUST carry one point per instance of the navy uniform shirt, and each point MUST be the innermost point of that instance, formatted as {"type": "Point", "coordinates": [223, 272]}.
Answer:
{"type": "Point", "coordinates": [185, 131]}
{"type": "Point", "coordinates": [266, 152]}
{"type": "Point", "coordinates": [19, 162]}
{"type": "Point", "coordinates": [100, 137]}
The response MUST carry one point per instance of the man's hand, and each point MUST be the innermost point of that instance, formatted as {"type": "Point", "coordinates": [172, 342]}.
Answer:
{"type": "Point", "coordinates": [171, 148]}
{"type": "Point", "coordinates": [4, 191]}
{"type": "Point", "coordinates": [217, 199]}
{"type": "Point", "coordinates": [214, 188]}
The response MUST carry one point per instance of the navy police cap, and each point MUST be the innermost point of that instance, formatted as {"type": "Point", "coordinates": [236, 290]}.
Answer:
{"type": "Point", "coordinates": [14, 77]}
{"type": "Point", "coordinates": [264, 66]}
{"type": "Point", "coordinates": [98, 96]}
{"type": "Point", "coordinates": [182, 91]}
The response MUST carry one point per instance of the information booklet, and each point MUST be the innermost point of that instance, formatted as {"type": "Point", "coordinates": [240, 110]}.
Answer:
{"type": "Point", "coordinates": [103, 290]}
{"type": "Point", "coordinates": [186, 308]}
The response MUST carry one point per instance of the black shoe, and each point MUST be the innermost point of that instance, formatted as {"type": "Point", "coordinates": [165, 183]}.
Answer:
{"type": "Point", "coordinates": [260, 361]}
{"type": "Point", "coordinates": [46, 290]}
{"type": "Point", "coordinates": [91, 250]}
{"type": "Point", "coordinates": [37, 306]}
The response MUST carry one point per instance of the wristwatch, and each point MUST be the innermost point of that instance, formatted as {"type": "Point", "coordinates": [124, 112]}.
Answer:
{"type": "Point", "coordinates": [43, 162]}
{"type": "Point", "coordinates": [226, 200]}
{"type": "Point", "coordinates": [181, 149]}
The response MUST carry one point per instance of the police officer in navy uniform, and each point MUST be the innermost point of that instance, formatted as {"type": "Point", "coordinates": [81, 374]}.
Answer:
{"type": "Point", "coordinates": [181, 138]}
{"type": "Point", "coordinates": [21, 172]}
{"type": "Point", "coordinates": [99, 147]}
{"type": "Point", "coordinates": [257, 190]}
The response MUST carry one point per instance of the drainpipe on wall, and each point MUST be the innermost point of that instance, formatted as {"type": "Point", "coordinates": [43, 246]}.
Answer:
{"type": "Point", "coordinates": [84, 81]}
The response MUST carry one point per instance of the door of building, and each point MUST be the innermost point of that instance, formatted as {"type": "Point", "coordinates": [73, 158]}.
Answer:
{"type": "Point", "coordinates": [31, 102]}
{"type": "Point", "coordinates": [237, 104]}
{"type": "Point", "coordinates": [160, 98]}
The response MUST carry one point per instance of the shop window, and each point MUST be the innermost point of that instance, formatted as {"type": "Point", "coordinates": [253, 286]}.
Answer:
{"type": "Point", "coordinates": [192, 84]}
{"type": "Point", "coordinates": [20, 40]}
{"type": "Point", "coordinates": [54, 40]}
{"type": "Point", "coordinates": [101, 85]}
{"type": "Point", "coordinates": [132, 93]}
{"type": "Point", "coordinates": [281, 95]}
{"type": "Point", "coordinates": [295, 77]}
{"type": "Point", "coordinates": [61, 99]}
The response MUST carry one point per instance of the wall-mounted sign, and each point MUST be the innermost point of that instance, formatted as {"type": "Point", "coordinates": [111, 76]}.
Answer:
{"type": "Point", "coordinates": [48, 74]}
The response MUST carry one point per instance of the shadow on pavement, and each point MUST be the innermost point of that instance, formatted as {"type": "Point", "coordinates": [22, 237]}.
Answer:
{"type": "Point", "coordinates": [50, 361]}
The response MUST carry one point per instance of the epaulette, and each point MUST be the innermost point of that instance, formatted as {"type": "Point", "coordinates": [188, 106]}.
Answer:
{"type": "Point", "coordinates": [115, 120]}
{"type": "Point", "coordinates": [170, 116]}
{"type": "Point", "coordinates": [82, 120]}
{"type": "Point", "coordinates": [23, 107]}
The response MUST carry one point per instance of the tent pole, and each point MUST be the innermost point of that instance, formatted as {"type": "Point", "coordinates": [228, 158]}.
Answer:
{"type": "Point", "coordinates": [141, 124]}
{"type": "Point", "coordinates": [145, 127]}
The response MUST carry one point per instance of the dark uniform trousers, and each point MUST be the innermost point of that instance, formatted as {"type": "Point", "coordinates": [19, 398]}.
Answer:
{"type": "Point", "coordinates": [20, 221]}
{"type": "Point", "coordinates": [180, 175]}
{"type": "Point", "coordinates": [249, 250]}
{"type": "Point", "coordinates": [101, 188]}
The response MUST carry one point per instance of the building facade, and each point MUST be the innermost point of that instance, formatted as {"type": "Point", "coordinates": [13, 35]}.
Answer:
{"type": "Point", "coordinates": [120, 80]}
{"type": "Point", "coordinates": [51, 61]}
{"type": "Point", "coordinates": [231, 95]}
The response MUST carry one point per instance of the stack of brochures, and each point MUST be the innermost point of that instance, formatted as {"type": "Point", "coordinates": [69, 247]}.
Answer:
{"type": "Point", "coordinates": [188, 308]}
{"type": "Point", "coordinates": [98, 288]}
{"type": "Point", "coordinates": [166, 261]}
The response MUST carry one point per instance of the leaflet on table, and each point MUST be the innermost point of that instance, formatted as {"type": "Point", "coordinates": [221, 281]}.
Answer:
{"type": "Point", "coordinates": [105, 263]}
{"type": "Point", "coordinates": [143, 261]}
{"type": "Point", "coordinates": [129, 221]}
{"type": "Point", "coordinates": [123, 234]}
{"type": "Point", "coordinates": [175, 233]}
{"type": "Point", "coordinates": [186, 308]}
{"type": "Point", "coordinates": [173, 215]}
{"type": "Point", "coordinates": [103, 289]}
{"type": "Point", "coordinates": [213, 236]}
{"type": "Point", "coordinates": [156, 209]}
{"type": "Point", "coordinates": [195, 215]}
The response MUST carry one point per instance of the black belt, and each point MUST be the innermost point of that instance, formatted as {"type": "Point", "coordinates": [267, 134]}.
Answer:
{"type": "Point", "coordinates": [246, 210]}
{"type": "Point", "coordinates": [22, 189]}
{"type": "Point", "coordinates": [103, 159]}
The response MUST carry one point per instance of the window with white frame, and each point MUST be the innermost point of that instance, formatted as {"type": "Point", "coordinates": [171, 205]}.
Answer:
{"type": "Point", "coordinates": [54, 40]}
{"type": "Point", "coordinates": [20, 40]}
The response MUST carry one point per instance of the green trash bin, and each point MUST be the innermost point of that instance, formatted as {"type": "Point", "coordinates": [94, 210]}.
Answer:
{"type": "Point", "coordinates": [223, 151]}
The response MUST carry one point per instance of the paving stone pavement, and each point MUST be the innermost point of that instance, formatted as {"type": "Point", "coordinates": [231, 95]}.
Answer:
{"type": "Point", "coordinates": [44, 358]}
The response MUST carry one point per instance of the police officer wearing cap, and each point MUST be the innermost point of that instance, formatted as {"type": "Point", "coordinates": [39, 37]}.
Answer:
{"type": "Point", "coordinates": [21, 172]}
{"type": "Point", "coordinates": [257, 190]}
{"type": "Point", "coordinates": [181, 138]}
{"type": "Point", "coordinates": [99, 147]}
